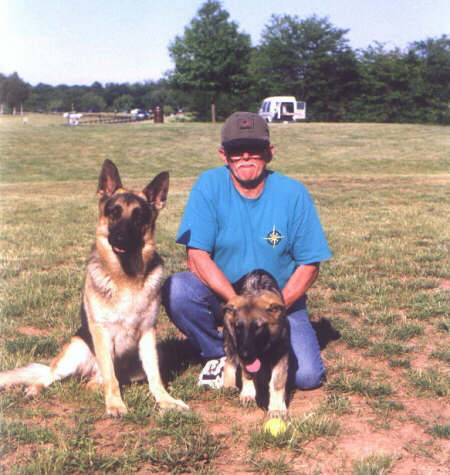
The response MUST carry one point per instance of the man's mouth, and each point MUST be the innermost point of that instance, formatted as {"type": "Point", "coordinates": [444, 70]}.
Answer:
{"type": "Point", "coordinates": [246, 165]}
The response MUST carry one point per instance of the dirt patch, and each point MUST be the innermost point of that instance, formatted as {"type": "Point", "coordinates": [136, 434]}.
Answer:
{"type": "Point", "coordinates": [445, 285]}
{"type": "Point", "coordinates": [33, 331]}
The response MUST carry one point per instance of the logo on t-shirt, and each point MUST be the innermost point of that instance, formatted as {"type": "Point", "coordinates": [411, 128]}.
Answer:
{"type": "Point", "coordinates": [274, 237]}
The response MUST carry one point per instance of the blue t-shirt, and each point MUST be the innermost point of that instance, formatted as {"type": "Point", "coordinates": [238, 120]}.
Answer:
{"type": "Point", "coordinates": [276, 232]}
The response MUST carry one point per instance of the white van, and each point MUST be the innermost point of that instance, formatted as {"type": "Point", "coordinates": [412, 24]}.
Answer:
{"type": "Point", "coordinates": [282, 108]}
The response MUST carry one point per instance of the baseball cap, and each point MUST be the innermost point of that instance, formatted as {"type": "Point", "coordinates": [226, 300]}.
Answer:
{"type": "Point", "coordinates": [245, 129]}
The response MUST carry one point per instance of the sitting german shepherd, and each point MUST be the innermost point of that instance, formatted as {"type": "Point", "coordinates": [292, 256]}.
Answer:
{"type": "Point", "coordinates": [120, 303]}
{"type": "Point", "coordinates": [256, 338]}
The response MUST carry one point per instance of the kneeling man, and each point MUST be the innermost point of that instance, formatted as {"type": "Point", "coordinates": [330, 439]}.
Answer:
{"type": "Point", "coordinates": [241, 217]}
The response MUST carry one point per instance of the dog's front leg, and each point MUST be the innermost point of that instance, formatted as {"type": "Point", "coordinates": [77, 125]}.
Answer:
{"type": "Point", "coordinates": [277, 389]}
{"type": "Point", "coordinates": [247, 397]}
{"type": "Point", "coordinates": [115, 406]}
{"type": "Point", "coordinates": [149, 358]}
{"type": "Point", "coordinates": [229, 373]}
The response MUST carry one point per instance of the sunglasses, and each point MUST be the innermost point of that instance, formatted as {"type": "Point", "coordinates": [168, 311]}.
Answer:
{"type": "Point", "coordinates": [237, 154]}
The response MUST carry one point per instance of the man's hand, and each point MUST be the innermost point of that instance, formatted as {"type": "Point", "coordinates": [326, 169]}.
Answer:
{"type": "Point", "coordinates": [300, 281]}
{"type": "Point", "coordinates": [200, 263]}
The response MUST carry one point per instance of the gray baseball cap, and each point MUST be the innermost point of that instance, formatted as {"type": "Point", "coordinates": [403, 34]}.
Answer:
{"type": "Point", "coordinates": [245, 129]}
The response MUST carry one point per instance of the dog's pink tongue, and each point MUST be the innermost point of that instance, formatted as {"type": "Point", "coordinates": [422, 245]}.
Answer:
{"type": "Point", "coordinates": [254, 367]}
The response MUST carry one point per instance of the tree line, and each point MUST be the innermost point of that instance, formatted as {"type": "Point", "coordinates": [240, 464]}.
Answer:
{"type": "Point", "coordinates": [217, 71]}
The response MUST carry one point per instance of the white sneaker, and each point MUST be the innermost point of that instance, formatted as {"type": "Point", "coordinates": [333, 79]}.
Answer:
{"type": "Point", "coordinates": [212, 373]}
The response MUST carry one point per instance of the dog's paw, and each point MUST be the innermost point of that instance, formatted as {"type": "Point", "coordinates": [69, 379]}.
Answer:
{"type": "Point", "coordinates": [277, 414]}
{"type": "Point", "coordinates": [247, 400]}
{"type": "Point", "coordinates": [33, 391]}
{"type": "Point", "coordinates": [118, 409]}
{"type": "Point", "coordinates": [172, 403]}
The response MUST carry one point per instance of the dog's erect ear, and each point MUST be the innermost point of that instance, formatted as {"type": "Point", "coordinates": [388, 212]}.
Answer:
{"type": "Point", "coordinates": [156, 191]}
{"type": "Point", "coordinates": [109, 179]}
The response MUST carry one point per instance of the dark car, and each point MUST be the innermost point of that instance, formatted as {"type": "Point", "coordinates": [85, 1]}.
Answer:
{"type": "Point", "coordinates": [142, 115]}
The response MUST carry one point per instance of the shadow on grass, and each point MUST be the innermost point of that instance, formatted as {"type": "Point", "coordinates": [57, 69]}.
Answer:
{"type": "Point", "coordinates": [175, 356]}
{"type": "Point", "coordinates": [326, 333]}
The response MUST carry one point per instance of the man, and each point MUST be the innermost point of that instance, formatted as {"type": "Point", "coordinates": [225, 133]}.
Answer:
{"type": "Point", "coordinates": [238, 218]}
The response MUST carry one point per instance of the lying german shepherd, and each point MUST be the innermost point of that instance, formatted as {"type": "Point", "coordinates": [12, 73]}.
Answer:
{"type": "Point", "coordinates": [120, 303]}
{"type": "Point", "coordinates": [257, 340]}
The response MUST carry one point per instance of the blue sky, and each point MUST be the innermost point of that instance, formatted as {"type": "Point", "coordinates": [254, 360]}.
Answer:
{"type": "Point", "coordinates": [82, 41]}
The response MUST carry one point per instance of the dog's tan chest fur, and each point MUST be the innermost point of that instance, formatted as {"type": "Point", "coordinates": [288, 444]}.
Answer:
{"type": "Point", "coordinates": [125, 310]}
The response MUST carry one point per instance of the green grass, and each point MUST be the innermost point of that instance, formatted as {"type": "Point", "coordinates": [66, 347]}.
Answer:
{"type": "Point", "coordinates": [270, 467]}
{"type": "Point", "coordinates": [382, 194]}
{"type": "Point", "coordinates": [192, 447]}
{"type": "Point", "coordinates": [298, 431]}
{"type": "Point", "coordinates": [374, 465]}
{"type": "Point", "coordinates": [440, 430]}
{"type": "Point", "coordinates": [355, 384]}
{"type": "Point", "coordinates": [430, 381]}
{"type": "Point", "coordinates": [18, 432]}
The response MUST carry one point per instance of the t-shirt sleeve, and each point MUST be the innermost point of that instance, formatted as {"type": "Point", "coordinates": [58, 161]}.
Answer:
{"type": "Point", "coordinates": [309, 244]}
{"type": "Point", "coordinates": [198, 224]}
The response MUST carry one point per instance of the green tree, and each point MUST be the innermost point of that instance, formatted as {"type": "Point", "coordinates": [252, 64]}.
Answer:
{"type": "Point", "coordinates": [211, 57]}
{"type": "Point", "coordinates": [112, 91]}
{"type": "Point", "coordinates": [124, 102]}
{"type": "Point", "coordinates": [68, 98]}
{"type": "Point", "coordinates": [39, 98]}
{"type": "Point", "coordinates": [307, 58]}
{"type": "Point", "coordinates": [434, 61]}
{"type": "Point", "coordinates": [384, 85]}
{"type": "Point", "coordinates": [393, 88]}
{"type": "Point", "coordinates": [13, 91]}
{"type": "Point", "coordinates": [91, 102]}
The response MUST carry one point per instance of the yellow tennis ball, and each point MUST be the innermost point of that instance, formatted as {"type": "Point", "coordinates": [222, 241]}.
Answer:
{"type": "Point", "coordinates": [275, 426]}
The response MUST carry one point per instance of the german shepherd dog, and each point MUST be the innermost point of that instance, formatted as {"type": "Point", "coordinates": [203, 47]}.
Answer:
{"type": "Point", "coordinates": [256, 340]}
{"type": "Point", "coordinates": [120, 302]}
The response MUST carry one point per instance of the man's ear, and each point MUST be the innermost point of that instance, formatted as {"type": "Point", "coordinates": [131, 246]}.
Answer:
{"type": "Point", "coordinates": [270, 153]}
{"type": "Point", "coordinates": [223, 155]}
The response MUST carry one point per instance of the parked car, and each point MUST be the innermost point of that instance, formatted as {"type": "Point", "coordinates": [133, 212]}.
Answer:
{"type": "Point", "coordinates": [142, 115]}
{"type": "Point", "coordinates": [282, 108]}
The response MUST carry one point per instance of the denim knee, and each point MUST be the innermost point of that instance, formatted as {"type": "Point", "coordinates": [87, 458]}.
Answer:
{"type": "Point", "coordinates": [184, 289]}
{"type": "Point", "coordinates": [307, 370]}
{"type": "Point", "coordinates": [195, 310]}
{"type": "Point", "coordinates": [309, 379]}
{"type": "Point", "coordinates": [172, 292]}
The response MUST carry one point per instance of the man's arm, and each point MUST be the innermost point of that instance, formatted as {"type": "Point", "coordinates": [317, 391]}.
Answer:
{"type": "Point", "coordinates": [200, 263]}
{"type": "Point", "coordinates": [300, 281]}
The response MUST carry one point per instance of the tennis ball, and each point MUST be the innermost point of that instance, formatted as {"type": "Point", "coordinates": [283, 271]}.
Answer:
{"type": "Point", "coordinates": [275, 426]}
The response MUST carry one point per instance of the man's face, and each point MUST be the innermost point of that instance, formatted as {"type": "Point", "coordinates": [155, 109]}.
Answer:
{"type": "Point", "coordinates": [247, 165]}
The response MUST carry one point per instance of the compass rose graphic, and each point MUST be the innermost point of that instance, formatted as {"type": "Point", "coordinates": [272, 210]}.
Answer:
{"type": "Point", "coordinates": [274, 237]}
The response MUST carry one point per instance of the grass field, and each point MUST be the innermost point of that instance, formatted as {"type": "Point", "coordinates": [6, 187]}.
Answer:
{"type": "Point", "coordinates": [381, 306]}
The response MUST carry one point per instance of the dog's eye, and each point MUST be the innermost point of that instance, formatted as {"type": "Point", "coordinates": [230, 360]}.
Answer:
{"type": "Point", "coordinates": [115, 212]}
{"type": "Point", "coordinates": [229, 309]}
{"type": "Point", "coordinates": [274, 308]}
{"type": "Point", "coordinates": [137, 216]}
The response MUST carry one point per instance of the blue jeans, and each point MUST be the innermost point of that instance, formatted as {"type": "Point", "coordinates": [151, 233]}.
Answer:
{"type": "Point", "coordinates": [197, 312]}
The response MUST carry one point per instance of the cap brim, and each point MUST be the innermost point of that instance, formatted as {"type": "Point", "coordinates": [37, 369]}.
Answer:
{"type": "Point", "coordinates": [259, 144]}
